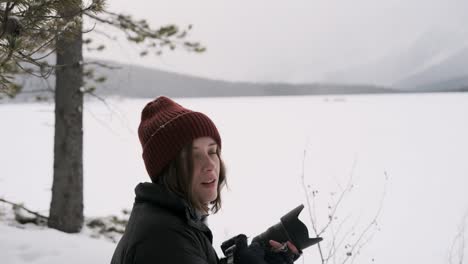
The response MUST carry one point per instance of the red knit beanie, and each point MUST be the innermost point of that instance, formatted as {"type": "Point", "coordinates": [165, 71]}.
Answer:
{"type": "Point", "coordinates": [166, 127]}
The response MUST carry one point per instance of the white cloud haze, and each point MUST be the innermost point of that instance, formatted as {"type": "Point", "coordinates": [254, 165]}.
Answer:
{"type": "Point", "coordinates": [292, 41]}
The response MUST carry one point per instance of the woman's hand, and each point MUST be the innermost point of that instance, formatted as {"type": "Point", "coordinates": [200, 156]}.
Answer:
{"type": "Point", "coordinates": [278, 247]}
{"type": "Point", "coordinates": [282, 253]}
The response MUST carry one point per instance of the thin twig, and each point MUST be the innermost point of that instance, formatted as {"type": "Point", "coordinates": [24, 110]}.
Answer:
{"type": "Point", "coordinates": [39, 48]}
{"type": "Point", "coordinates": [105, 34]}
{"type": "Point", "coordinates": [24, 208]}
{"type": "Point", "coordinates": [459, 241]}
{"type": "Point", "coordinates": [103, 65]}
{"type": "Point", "coordinates": [348, 188]}
{"type": "Point", "coordinates": [333, 248]}
{"type": "Point", "coordinates": [373, 222]}
{"type": "Point", "coordinates": [314, 227]}
{"type": "Point", "coordinates": [40, 75]}
{"type": "Point", "coordinates": [46, 55]}
{"type": "Point", "coordinates": [112, 111]}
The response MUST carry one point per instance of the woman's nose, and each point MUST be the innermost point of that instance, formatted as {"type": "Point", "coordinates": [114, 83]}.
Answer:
{"type": "Point", "coordinates": [209, 163]}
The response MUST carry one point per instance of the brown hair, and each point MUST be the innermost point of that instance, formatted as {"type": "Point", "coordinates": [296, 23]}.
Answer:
{"type": "Point", "coordinates": [177, 177]}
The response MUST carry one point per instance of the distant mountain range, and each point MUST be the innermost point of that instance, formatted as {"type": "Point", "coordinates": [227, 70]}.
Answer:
{"type": "Point", "coordinates": [136, 81]}
{"type": "Point", "coordinates": [450, 71]}
{"type": "Point", "coordinates": [421, 68]}
{"type": "Point", "coordinates": [437, 61]}
{"type": "Point", "coordinates": [140, 82]}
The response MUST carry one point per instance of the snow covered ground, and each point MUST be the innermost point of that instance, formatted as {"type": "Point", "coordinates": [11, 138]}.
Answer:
{"type": "Point", "coordinates": [413, 148]}
{"type": "Point", "coordinates": [48, 246]}
{"type": "Point", "coordinates": [40, 245]}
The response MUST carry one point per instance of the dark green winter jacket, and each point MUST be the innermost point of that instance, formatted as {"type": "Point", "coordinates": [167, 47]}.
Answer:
{"type": "Point", "coordinates": [163, 229]}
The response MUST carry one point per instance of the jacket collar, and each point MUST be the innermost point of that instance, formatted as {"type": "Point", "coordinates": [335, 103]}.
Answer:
{"type": "Point", "coordinates": [161, 197]}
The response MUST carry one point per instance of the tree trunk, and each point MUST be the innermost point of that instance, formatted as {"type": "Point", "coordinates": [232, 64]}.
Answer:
{"type": "Point", "coordinates": [66, 208]}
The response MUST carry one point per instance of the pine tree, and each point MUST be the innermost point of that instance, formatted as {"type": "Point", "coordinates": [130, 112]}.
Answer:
{"type": "Point", "coordinates": [32, 30]}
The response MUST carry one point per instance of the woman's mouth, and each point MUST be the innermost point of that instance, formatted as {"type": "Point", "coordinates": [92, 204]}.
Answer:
{"type": "Point", "coordinates": [209, 184]}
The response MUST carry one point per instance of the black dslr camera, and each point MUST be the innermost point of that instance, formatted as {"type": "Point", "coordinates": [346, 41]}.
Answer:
{"type": "Point", "coordinates": [290, 228]}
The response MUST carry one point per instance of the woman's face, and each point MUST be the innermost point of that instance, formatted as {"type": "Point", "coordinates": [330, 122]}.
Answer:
{"type": "Point", "coordinates": [206, 165]}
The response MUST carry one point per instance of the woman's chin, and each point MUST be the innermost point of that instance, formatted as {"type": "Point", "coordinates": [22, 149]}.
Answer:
{"type": "Point", "coordinates": [209, 199]}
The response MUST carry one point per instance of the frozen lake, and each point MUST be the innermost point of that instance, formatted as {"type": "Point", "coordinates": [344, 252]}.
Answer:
{"type": "Point", "coordinates": [412, 148]}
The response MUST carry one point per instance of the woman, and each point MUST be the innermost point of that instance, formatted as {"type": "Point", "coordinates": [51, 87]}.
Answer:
{"type": "Point", "coordinates": [182, 155]}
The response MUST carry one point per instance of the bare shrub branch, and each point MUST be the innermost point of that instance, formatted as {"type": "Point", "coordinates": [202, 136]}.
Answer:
{"type": "Point", "coordinates": [344, 245]}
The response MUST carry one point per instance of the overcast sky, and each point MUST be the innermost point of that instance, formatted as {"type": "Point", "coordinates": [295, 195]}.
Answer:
{"type": "Point", "coordinates": [290, 41]}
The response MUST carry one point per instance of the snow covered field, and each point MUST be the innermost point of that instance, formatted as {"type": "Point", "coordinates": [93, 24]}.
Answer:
{"type": "Point", "coordinates": [419, 141]}
{"type": "Point", "coordinates": [48, 246]}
